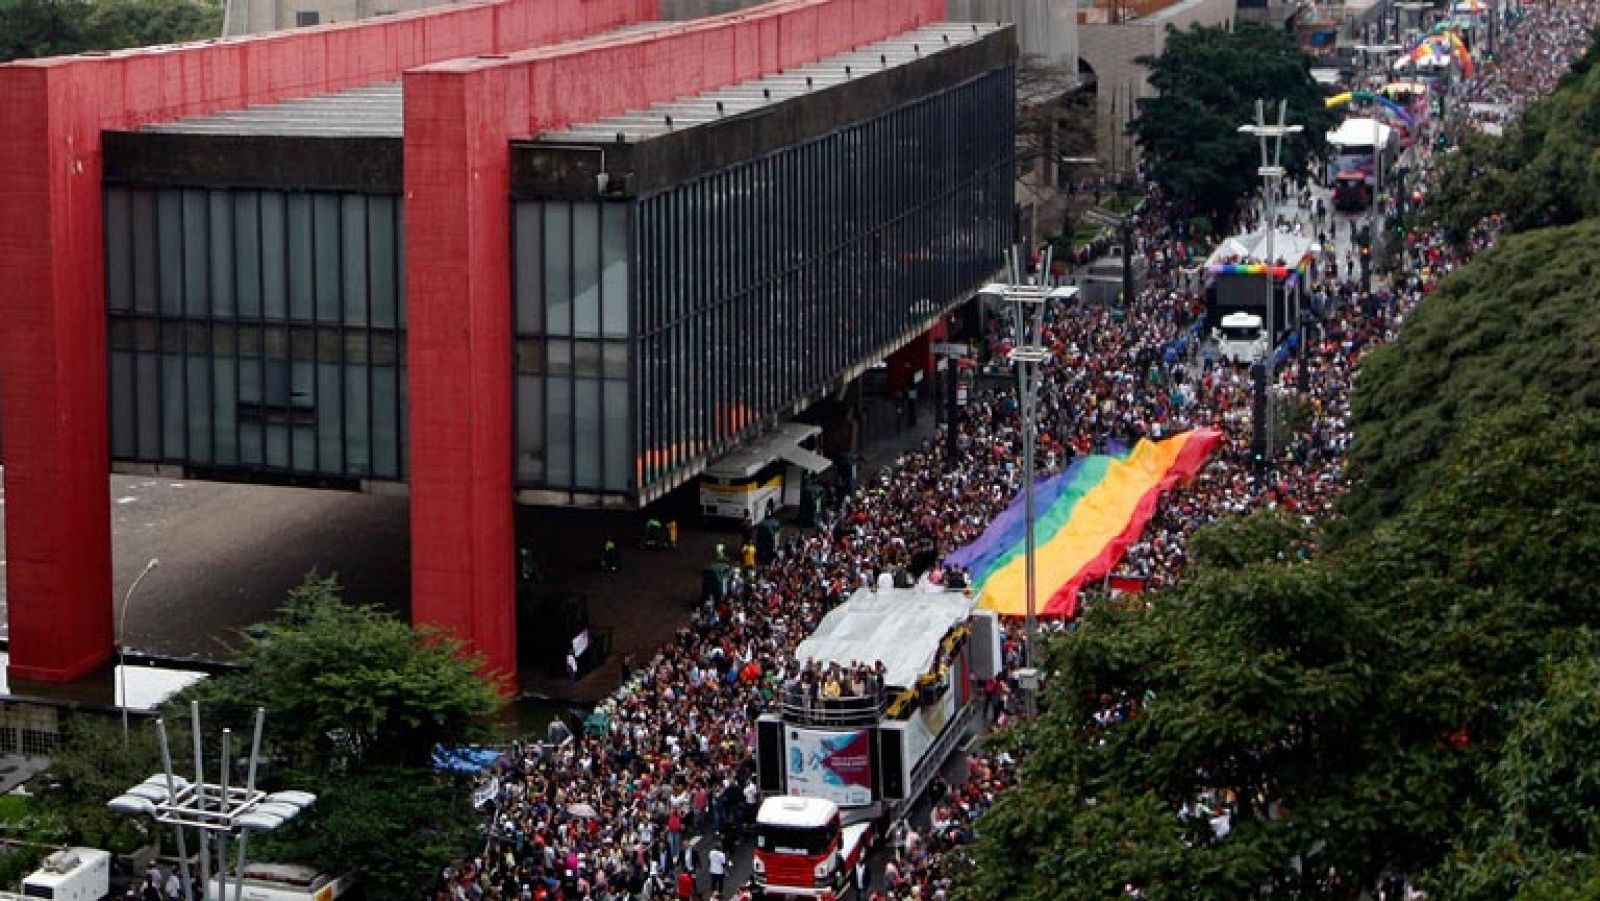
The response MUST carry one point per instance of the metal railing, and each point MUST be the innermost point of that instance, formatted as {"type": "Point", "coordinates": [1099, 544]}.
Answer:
{"type": "Point", "coordinates": [799, 706]}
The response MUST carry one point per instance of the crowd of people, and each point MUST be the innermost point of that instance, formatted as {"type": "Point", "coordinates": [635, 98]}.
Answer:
{"type": "Point", "coordinates": [664, 786]}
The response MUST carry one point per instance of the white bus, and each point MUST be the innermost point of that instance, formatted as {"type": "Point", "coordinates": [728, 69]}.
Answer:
{"type": "Point", "coordinates": [754, 481]}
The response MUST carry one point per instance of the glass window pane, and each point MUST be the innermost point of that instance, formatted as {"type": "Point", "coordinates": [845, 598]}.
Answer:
{"type": "Point", "coordinates": [169, 246]}
{"type": "Point", "coordinates": [385, 422]}
{"type": "Point", "coordinates": [172, 388]}
{"type": "Point", "coordinates": [330, 419]}
{"type": "Point", "coordinates": [615, 265]}
{"type": "Point", "coordinates": [586, 269]}
{"type": "Point", "coordinates": [196, 254]}
{"type": "Point", "coordinates": [225, 410]}
{"type": "Point", "coordinates": [530, 430]}
{"type": "Point", "coordinates": [220, 235]}
{"type": "Point", "coordinates": [586, 451]}
{"type": "Point", "coordinates": [353, 235]}
{"type": "Point", "coordinates": [118, 250]}
{"type": "Point", "coordinates": [558, 268]}
{"type": "Point", "coordinates": [198, 383]}
{"type": "Point", "coordinates": [558, 431]}
{"type": "Point", "coordinates": [142, 219]}
{"type": "Point", "coordinates": [618, 444]}
{"type": "Point", "coordinates": [326, 221]}
{"type": "Point", "coordinates": [148, 405]}
{"type": "Point", "coordinates": [274, 254]}
{"type": "Point", "coordinates": [383, 250]}
{"type": "Point", "coordinates": [357, 425]}
{"type": "Point", "coordinates": [124, 442]}
{"type": "Point", "coordinates": [302, 258]}
{"type": "Point", "coordinates": [528, 267]}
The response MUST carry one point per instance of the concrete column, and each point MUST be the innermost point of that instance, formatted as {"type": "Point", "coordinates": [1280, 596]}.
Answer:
{"type": "Point", "coordinates": [53, 374]}
{"type": "Point", "coordinates": [458, 307]}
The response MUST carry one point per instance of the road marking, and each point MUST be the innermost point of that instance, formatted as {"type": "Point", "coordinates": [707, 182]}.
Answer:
{"type": "Point", "coordinates": [126, 500]}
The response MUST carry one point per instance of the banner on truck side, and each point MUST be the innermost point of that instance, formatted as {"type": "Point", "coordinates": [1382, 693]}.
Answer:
{"type": "Point", "coordinates": [836, 766]}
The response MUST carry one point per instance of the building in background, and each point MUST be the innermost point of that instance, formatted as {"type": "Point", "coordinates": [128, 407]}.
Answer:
{"type": "Point", "coordinates": [258, 16]}
{"type": "Point", "coordinates": [1113, 35]}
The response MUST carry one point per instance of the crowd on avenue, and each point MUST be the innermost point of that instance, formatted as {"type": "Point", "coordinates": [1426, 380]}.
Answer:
{"type": "Point", "coordinates": [655, 806]}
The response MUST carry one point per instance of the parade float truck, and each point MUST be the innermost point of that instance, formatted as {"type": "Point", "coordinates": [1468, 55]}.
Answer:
{"type": "Point", "coordinates": [838, 772]}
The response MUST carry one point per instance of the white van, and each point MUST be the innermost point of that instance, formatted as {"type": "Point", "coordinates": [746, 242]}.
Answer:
{"type": "Point", "coordinates": [1241, 339]}
{"type": "Point", "coordinates": [284, 882]}
{"type": "Point", "coordinates": [71, 874]}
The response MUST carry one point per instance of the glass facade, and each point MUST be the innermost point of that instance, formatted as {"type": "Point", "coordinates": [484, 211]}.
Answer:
{"type": "Point", "coordinates": [571, 288]}
{"type": "Point", "coordinates": [656, 333]}
{"type": "Point", "coordinates": [257, 332]}
{"type": "Point", "coordinates": [762, 284]}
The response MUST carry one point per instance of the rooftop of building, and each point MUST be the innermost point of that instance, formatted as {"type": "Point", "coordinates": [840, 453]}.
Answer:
{"type": "Point", "coordinates": [751, 96]}
{"type": "Point", "coordinates": [377, 110]}
{"type": "Point", "coordinates": [371, 111]}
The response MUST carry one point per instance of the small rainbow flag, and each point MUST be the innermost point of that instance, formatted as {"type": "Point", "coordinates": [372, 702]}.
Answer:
{"type": "Point", "coordinates": [1084, 520]}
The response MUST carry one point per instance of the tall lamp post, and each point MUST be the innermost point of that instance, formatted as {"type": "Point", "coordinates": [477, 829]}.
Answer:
{"type": "Point", "coordinates": [1271, 171]}
{"type": "Point", "coordinates": [1028, 300]}
{"type": "Point", "coordinates": [122, 646]}
{"type": "Point", "coordinates": [211, 808]}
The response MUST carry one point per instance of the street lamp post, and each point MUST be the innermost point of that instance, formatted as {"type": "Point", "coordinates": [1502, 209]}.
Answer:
{"type": "Point", "coordinates": [1027, 299]}
{"type": "Point", "coordinates": [1271, 171]}
{"type": "Point", "coordinates": [211, 808]}
{"type": "Point", "coordinates": [122, 646]}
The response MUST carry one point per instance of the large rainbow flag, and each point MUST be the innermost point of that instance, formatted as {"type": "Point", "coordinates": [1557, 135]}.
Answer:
{"type": "Point", "coordinates": [1084, 519]}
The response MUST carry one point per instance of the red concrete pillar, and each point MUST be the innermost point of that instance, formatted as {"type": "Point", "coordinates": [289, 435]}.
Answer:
{"type": "Point", "coordinates": [458, 308]}
{"type": "Point", "coordinates": [53, 374]}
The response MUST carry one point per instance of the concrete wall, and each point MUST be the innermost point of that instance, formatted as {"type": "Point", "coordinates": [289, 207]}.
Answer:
{"type": "Point", "coordinates": [1110, 51]}
{"type": "Point", "coordinates": [53, 343]}
{"type": "Point", "coordinates": [1047, 29]}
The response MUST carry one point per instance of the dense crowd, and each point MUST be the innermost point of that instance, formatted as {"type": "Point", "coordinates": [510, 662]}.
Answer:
{"type": "Point", "coordinates": [665, 788]}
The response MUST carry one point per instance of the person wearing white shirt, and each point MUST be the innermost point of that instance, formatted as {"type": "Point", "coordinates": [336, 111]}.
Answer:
{"type": "Point", "coordinates": [717, 862]}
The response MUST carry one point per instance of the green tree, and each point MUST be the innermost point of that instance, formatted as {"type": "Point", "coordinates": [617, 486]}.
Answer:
{"type": "Point", "coordinates": [1520, 321]}
{"type": "Point", "coordinates": [1539, 839]}
{"type": "Point", "coordinates": [356, 701]}
{"type": "Point", "coordinates": [393, 826]}
{"type": "Point", "coordinates": [1208, 81]}
{"type": "Point", "coordinates": [90, 767]}
{"type": "Point", "coordinates": [348, 687]}
{"type": "Point", "coordinates": [34, 28]}
{"type": "Point", "coordinates": [141, 23]}
{"type": "Point", "coordinates": [1353, 706]}
{"type": "Point", "coordinates": [37, 28]}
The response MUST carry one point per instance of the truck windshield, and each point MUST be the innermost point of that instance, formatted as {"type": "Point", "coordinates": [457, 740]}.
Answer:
{"type": "Point", "coordinates": [1244, 333]}
{"type": "Point", "coordinates": [792, 840]}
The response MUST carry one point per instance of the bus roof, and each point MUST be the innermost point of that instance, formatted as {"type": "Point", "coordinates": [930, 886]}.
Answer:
{"type": "Point", "coordinates": [1241, 320]}
{"type": "Point", "coordinates": [782, 443]}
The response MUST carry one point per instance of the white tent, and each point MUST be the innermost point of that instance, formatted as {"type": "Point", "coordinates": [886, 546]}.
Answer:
{"type": "Point", "coordinates": [1251, 247]}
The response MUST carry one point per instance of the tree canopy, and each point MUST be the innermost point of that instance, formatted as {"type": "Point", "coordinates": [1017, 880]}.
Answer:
{"type": "Point", "coordinates": [37, 28]}
{"type": "Point", "coordinates": [348, 686]}
{"type": "Point", "coordinates": [1209, 80]}
{"type": "Point", "coordinates": [1353, 709]}
{"type": "Point", "coordinates": [1520, 320]}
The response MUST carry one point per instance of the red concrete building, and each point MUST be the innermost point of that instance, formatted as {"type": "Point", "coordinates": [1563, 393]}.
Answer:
{"type": "Point", "coordinates": [542, 250]}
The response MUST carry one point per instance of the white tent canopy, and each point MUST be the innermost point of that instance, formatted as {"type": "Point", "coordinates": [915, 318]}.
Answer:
{"type": "Point", "coordinates": [1359, 131]}
{"type": "Point", "coordinates": [1252, 248]}
{"type": "Point", "coordinates": [900, 626]}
